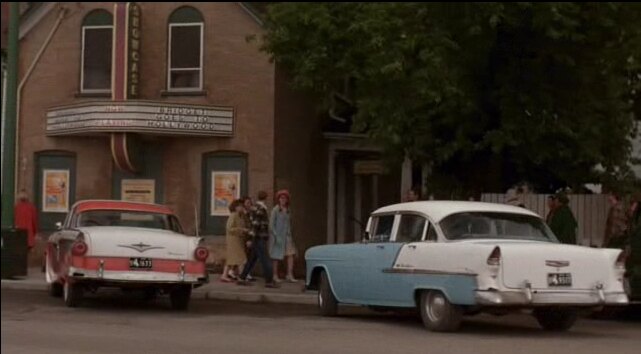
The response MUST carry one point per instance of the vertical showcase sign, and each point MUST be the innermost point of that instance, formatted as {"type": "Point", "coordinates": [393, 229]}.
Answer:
{"type": "Point", "coordinates": [133, 49]}
{"type": "Point", "coordinates": [126, 70]}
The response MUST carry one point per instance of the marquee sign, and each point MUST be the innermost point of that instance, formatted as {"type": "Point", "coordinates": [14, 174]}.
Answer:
{"type": "Point", "coordinates": [140, 117]}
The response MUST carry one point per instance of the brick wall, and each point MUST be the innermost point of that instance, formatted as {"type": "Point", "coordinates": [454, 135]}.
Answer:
{"type": "Point", "coordinates": [235, 74]}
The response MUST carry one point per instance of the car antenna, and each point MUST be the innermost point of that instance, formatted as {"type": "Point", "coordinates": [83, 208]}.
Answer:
{"type": "Point", "coordinates": [196, 218]}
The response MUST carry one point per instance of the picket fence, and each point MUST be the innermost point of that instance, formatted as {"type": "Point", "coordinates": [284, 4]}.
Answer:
{"type": "Point", "coordinates": [590, 211]}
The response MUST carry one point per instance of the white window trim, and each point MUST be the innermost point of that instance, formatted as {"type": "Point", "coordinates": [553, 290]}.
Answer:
{"type": "Point", "coordinates": [375, 224]}
{"type": "Point", "coordinates": [82, 63]}
{"type": "Point", "coordinates": [397, 225]}
{"type": "Point", "coordinates": [200, 69]}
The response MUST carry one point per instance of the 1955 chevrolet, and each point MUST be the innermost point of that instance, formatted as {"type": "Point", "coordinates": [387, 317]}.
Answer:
{"type": "Point", "coordinates": [105, 243]}
{"type": "Point", "coordinates": [450, 259]}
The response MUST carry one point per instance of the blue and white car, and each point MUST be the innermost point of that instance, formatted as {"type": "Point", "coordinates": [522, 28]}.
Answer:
{"type": "Point", "coordinates": [450, 259]}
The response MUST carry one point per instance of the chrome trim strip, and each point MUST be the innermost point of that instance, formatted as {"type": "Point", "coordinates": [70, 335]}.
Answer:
{"type": "Point", "coordinates": [425, 271]}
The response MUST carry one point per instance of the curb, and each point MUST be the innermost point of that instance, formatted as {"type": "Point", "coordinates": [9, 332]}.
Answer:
{"type": "Point", "coordinates": [251, 297]}
{"type": "Point", "coordinates": [306, 299]}
{"type": "Point", "coordinates": [23, 285]}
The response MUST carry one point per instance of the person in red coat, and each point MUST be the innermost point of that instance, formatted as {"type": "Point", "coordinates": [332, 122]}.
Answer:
{"type": "Point", "coordinates": [26, 218]}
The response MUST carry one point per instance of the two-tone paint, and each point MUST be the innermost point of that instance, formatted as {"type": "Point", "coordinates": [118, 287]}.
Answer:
{"type": "Point", "coordinates": [392, 273]}
{"type": "Point", "coordinates": [109, 249]}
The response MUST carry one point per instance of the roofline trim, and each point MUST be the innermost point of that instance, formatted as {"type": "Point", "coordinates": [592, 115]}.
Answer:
{"type": "Point", "coordinates": [251, 12]}
{"type": "Point", "coordinates": [33, 18]}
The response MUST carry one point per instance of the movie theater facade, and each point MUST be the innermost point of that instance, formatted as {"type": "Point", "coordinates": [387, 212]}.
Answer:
{"type": "Point", "coordinates": [169, 103]}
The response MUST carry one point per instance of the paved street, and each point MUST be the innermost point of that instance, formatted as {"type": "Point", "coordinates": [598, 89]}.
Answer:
{"type": "Point", "coordinates": [32, 322]}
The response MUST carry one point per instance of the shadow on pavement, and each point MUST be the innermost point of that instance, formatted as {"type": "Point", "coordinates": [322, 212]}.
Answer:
{"type": "Point", "coordinates": [513, 325]}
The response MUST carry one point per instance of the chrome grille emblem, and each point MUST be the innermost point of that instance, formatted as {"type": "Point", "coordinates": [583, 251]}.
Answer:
{"type": "Point", "coordinates": [557, 264]}
{"type": "Point", "coordinates": [141, 247]}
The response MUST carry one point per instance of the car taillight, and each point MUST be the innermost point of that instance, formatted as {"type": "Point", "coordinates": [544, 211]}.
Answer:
{"type": "Point", "coordinates": [620, 262]}
{"type": "Point", "coordinates": [79, 248]}
{"type": "Point", "coordinates": [495, 257]}
{"type": "Point", "coordinates": [201, 253]}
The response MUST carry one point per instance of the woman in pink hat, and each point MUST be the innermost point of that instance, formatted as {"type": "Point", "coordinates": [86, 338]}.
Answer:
{"type": "Point", "coordinates": [281, 244]}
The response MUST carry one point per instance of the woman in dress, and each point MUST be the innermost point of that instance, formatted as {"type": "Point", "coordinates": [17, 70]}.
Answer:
{"type": "Point", "coordinates": [281, 243]}
{"type": "Point", "coordinates": [236, 234]}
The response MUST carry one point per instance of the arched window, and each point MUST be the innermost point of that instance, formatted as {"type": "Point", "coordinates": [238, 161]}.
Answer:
{"type": "Point", "coordinates": [97, 43]}
{"type": "Point", "coordinates": [185, 50]}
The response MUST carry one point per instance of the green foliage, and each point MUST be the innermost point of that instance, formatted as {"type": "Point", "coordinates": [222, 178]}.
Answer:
{"type": "Point", "coordinates": [545, 91]}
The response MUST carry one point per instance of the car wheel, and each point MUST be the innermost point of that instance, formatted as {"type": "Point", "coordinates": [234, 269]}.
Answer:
{"type": "Point", "coordinates": [54, 287]}
{"type": "Point", "coordinates": [555, 318]}
{"type": "Point", "coordinates": [72, 294]}
{"type": "Point", "coordinates": [327, 303]}
{"type": "Point", "coordinates": [149, 294]}
{"type": "Point", "coordinates": [438, 314]}
{"type": "Point", "coordinates": [608, 313]}
{"type": "Point", "coordinates": [179, 297]}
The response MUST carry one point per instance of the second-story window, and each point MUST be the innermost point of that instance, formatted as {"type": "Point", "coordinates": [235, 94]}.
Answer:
{"type": "Point", "coordinates": [185, 52]}
{"type": "Point", "coordinates": [97, 43]}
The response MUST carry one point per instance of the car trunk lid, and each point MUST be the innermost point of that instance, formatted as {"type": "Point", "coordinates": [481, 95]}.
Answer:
{"type": "Point", "coordinates": [116, 241]}
{"type": "Point", "coordinates": [552, 266]}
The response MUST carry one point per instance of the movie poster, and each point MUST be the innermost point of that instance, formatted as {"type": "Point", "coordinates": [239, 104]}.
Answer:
{"type": "Point", "coordinates": [55, 191]}
{"type": "Point", "coordinates": [225, 189]}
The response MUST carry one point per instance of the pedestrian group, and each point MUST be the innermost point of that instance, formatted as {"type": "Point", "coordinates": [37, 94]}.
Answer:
{"type": "Point", "coordinates": [253, 235]}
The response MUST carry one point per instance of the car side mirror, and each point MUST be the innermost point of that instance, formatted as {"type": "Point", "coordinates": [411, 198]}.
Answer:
{"type": "Point", "coordinates": [365, 237]}
{"type": "Point", "coordinates": [59, 225]}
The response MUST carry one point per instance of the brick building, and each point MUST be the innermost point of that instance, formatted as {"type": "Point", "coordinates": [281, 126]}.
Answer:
{"type": "Point", "coordinates": [169, 103]}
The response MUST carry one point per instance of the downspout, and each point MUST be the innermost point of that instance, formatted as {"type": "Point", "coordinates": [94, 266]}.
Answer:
{"type": "Point", "coordinates": [9, 128]}
{"type": "Point", "coordinates": [61, 14]}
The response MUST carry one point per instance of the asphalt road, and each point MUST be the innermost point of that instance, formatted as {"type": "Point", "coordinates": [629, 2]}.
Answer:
{"type": "Point", "coordinates": [34, 323]}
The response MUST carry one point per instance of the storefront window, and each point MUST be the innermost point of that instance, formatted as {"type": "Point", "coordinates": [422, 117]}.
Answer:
{"type": "Point", "coordinates": [97, 33]}
{"type": "Point", "coordinates": [185, 57]}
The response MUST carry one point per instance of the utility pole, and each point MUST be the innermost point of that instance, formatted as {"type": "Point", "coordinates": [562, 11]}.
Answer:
{"type": "Point", "coordinates": [9, 131]}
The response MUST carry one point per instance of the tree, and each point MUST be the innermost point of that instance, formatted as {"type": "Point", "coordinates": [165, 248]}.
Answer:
{"type": "Point", "coordinates": [543, 92]}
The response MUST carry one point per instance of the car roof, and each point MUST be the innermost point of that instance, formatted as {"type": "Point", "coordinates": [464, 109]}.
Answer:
{"type": "Point", "coordinates": [88, 205]}
{"type": "Point", "coordinates": [438, 210]}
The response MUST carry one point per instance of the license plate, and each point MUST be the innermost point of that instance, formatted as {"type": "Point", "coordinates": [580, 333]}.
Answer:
{"type": "Point", "coordinates": [559, 279]}
{"type": "Point", "coordinates": [140, 263]}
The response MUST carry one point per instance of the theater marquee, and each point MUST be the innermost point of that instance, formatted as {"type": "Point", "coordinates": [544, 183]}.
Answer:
{"type": "Point", "coordinates": [140, 117]}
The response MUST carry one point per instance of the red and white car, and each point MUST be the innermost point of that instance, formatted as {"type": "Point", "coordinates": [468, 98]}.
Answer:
{"type": "Point", "coordinates": [127, 245]}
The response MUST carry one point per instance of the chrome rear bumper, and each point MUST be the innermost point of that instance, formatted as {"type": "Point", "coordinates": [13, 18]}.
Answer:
{"type": "Point", "coordinates": [528, 297]}
{"type": "Point", "coordinates": [148, 277]}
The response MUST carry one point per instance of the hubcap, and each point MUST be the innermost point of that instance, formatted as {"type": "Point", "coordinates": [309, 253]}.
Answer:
{"type": "Point", "coordinates": [436, 306]}
{"type": "Point", "coordinates": [320, 299]}
{"type": "Point", "coordinates": [65, 290]}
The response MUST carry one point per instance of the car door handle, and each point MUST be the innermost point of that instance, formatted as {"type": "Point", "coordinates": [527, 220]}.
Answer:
{"type": "Point", "coordinates": [380, 247]}
{"type": "Point", "coordinates": [412, 247]}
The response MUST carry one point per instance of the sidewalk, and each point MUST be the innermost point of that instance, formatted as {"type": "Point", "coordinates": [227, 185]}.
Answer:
{"type": "Point", "coordinates": [215, 290]}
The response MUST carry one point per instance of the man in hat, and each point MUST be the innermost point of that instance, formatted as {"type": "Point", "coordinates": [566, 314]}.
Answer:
{"type": "Point", "coordinates": [26, 218]}
{"type": "Point", "coordinates": [562, 221]}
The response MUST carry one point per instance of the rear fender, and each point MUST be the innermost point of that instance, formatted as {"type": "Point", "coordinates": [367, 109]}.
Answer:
{"type": "Point", "coordinates": [458, 289]}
